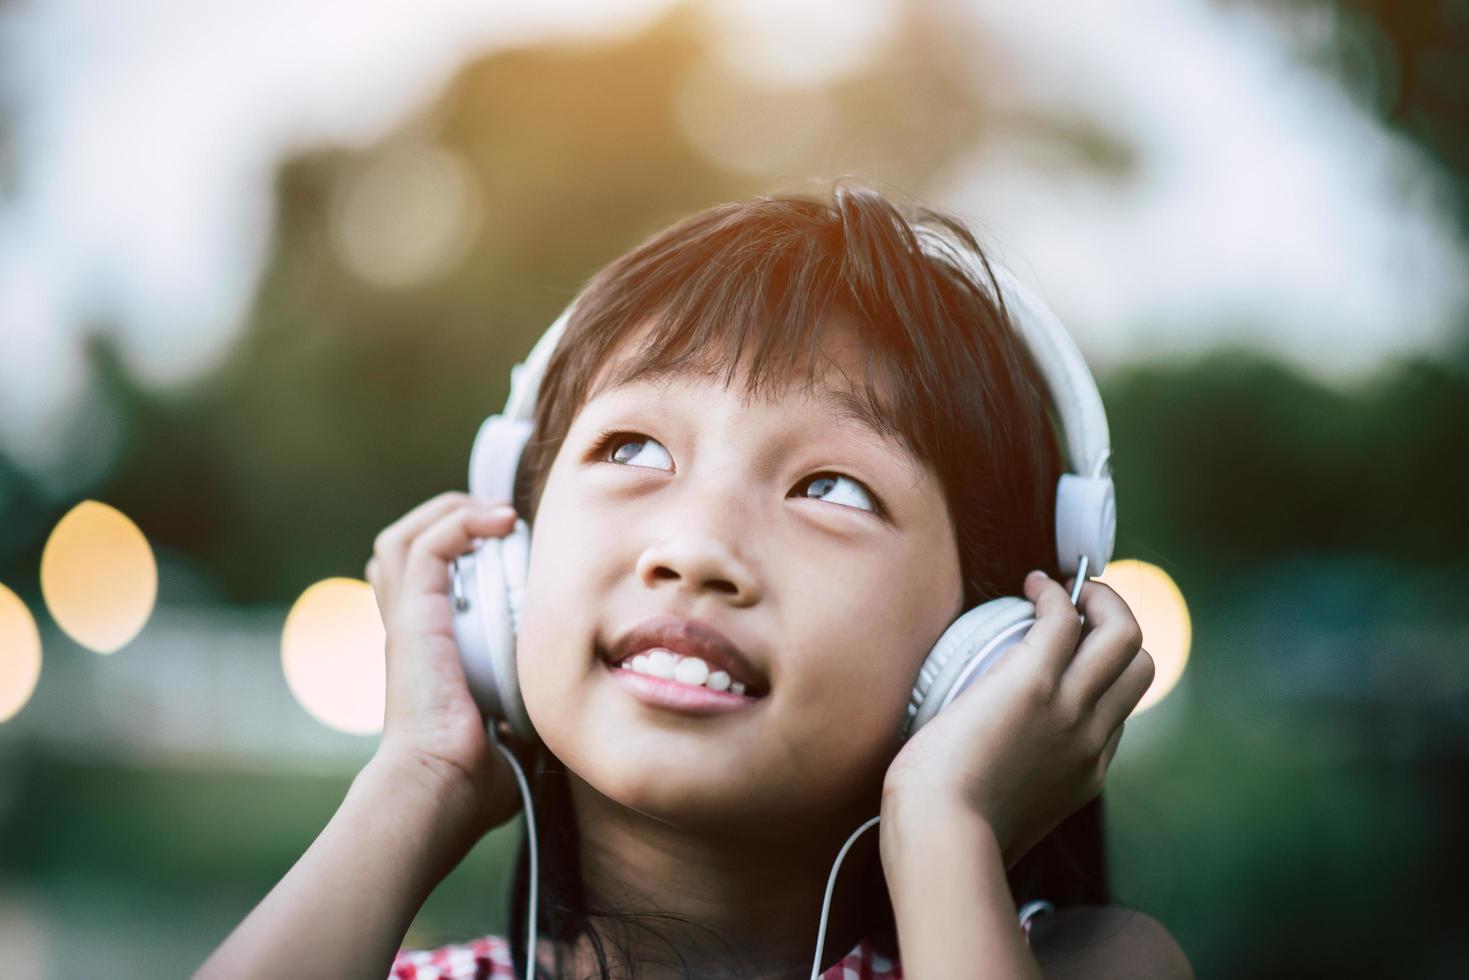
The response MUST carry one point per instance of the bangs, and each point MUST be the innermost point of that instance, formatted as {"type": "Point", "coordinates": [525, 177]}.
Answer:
{"type": "Point", "coordinates": [779, 349]}
{"type": "Point", "coordinates": [748, 298]}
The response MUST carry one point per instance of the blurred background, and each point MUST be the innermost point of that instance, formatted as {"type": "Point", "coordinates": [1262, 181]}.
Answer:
{"type": "Point", "coordinates": [264, 268]}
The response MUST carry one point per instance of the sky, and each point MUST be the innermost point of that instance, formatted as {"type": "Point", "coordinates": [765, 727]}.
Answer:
{"type": "Point", "coordinates": [1264, 206]}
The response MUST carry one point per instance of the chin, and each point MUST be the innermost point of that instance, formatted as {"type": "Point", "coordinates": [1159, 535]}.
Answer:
{"type": "Point", "coordinates": [682, 791]}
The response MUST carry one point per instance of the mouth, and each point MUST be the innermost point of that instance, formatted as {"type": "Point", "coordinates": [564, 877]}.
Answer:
{"type": "Point", "coordinates": [672, 695]}
{"type": "Point", "coordinates": [686, 653]}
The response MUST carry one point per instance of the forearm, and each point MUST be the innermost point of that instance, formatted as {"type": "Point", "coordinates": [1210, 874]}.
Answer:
{"type": "Point", "coordinates": [952, 905]}
{"type": "Point", "coordinates": [343, 907]}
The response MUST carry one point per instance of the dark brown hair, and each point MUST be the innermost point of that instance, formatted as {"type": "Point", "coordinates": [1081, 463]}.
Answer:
{"type": "Point", "coordinates": [945, 374]}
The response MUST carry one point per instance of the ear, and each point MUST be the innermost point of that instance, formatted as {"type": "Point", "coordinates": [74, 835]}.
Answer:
{"type": "Point", "coordinates": [1106, 941]}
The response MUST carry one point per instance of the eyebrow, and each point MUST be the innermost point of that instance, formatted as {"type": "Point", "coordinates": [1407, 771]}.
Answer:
{"type": "Point", "coordinates": [844, 402]}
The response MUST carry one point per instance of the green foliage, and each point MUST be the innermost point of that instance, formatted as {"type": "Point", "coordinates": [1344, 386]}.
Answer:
{"type": "Point", "coordinates": [1237, 460]}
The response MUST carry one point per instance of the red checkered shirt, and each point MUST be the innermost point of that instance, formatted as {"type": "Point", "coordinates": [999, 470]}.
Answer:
{"type": "Point", "coordinates": [488, 958]}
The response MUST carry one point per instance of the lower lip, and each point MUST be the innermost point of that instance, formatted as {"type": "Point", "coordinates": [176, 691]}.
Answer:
{"type": "Point", "coordinates": [660, 693]}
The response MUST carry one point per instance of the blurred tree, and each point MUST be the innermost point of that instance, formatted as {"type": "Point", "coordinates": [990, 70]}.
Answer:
{"type": "Point", "coordinates": [356, 389]}
{"type": "Point", "coordinates": [354, 392]}
{"type": "Point", "coordinates": [1235, 459]}
{"type": "Point", "coordinates": [1408, 63]}
{"type": "Point", "coordinates": [24, 511]}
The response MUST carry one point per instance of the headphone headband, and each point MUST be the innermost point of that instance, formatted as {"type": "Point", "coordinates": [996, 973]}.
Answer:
{"type": "Point", "coordinates": [525, 378]}
{"type": "Point", "coordinates": [1086, 514]}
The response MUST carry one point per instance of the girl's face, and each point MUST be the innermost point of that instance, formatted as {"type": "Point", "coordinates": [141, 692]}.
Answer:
{"type": "Point", "coordinates": [821, 549]}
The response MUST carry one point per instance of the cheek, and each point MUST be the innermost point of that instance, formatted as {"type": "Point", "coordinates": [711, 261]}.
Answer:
{"type": "Point", "coordinates": [865, 642]}
{"type": "Point", "coordinates": [554, 643]}
{"type": "Point", "coordinates": [562, 544]}
{"type": "Point", "coordinates": [856, 673]}
{"type": "Point", "coordinates": [866, 623]}
{"type": "Point", "coordinates": [866, 689]}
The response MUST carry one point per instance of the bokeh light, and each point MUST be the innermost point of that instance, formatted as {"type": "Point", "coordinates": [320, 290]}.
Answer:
{"type": "Point", "coordinates": [742, 125]}
{"type": "Point", "coordinates": [332, 654]}
{"type": "Point", "coordinates": [98, 576]}
{"type": "Point", "coordinates": [407, 217]}
{"type": "Point", "coordinates": [20, 654]}
{"type": "Point", "coordinates": [1162, 612]}
{"type": "Point", "coordinates": [798, 44]}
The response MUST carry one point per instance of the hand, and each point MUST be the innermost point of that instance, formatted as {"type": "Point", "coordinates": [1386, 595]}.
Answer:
{"type": "Point", "coordinates": [431, 724]}
{"type": "Point", "coordinates": [1030, 742]}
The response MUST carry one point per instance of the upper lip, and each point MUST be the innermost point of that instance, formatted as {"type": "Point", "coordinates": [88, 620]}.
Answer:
{"type": "Point", "coordinates": [691, 638]}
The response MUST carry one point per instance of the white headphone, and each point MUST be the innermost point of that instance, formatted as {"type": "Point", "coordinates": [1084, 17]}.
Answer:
{"type": "Point", "coordinates": [489, 584]}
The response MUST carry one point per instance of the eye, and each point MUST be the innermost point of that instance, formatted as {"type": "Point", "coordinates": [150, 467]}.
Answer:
{"type": "Point", "coordinates": [828, 482]}
{"type": "Point", "coordinates": [627, 447]}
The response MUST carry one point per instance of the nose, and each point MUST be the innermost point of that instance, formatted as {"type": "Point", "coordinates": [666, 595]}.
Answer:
{"type": "Point", "coordinates": [700, 552]}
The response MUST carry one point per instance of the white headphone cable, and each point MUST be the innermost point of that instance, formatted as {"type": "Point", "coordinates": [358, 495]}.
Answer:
{"type": "Point", "coordinates": [831, 883]}
{"type": "Point", "coordinates": [831, 880]}
{"type": "Point", "coordinates": [530, 827]}
{"type": "Point", "coordinates": [530, 832]}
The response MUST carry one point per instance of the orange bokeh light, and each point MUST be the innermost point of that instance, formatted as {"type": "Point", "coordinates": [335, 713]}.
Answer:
{"type": "Point", "coordinates": [1158, 604]}
{"type": "Point", "coordinates": [98, 577]}
{"type": "Point", "coordinates": [333, 657]}
{"type": "Point", "coordinates": [20, 654]}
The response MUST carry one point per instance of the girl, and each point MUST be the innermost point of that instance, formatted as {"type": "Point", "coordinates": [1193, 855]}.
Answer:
{"type": "Point", "coordinates": [782, 430]}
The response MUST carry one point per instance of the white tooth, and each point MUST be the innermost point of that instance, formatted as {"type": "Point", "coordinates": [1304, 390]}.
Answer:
{"type": "Point", "coordinates": [626, 665]}
{"type": "Point", "coordinates": [718, 681]}
{"type": "Point", "coordinates": [691, 670]}
{"type": "Point", "coordinates": [640, 663]}
{"type": "Point", "coordinates": [737, 687]}
{"type": "Point", "coordinates": [660, 664]}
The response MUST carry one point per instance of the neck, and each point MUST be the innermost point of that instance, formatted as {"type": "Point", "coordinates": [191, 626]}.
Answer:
{"type": "Point", "coordinates": [759, 893]}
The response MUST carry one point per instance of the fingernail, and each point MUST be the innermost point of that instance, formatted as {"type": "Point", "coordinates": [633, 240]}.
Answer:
{"type": "Point", "coordinates": [1034, 573]}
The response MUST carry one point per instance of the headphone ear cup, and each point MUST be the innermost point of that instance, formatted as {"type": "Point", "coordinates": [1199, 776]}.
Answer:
{"type": "Point", "coordinates": [489, 589]}
{"type": "Point", "coordinates": [515, 563]}
{"type": "Point", "coordinates": [515, 560]}
{"type": "Point", "coordinates": [965, 650]}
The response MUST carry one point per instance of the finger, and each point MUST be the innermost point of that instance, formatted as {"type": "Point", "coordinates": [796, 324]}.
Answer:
{"type": "Point", "coordinates": [1116, 704]}
{"type": "Point", "coordinates": [452, 535]}
{"type": "Point", "coordinates": [1070, 586]}
{"type": "Point", "coordinates": [1057, 625]}
{"type": "Point", "coordinates": [393, 541]}
{"type": "Point", "coordinates": [1110, 642]}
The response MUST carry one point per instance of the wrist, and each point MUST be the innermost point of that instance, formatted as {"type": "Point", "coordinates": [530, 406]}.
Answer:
{"type": "Point", "coordinates": [414, 776]}
{"type": "Point", "coordinates": [913, 820]}
{"type": "Point", "coordinates": [951, 899]}
{"type": "Point", "coordinates": [426, 801]}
